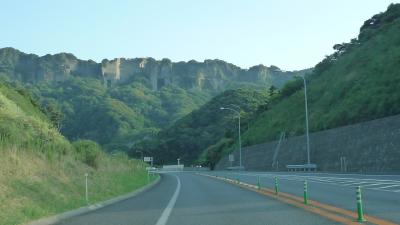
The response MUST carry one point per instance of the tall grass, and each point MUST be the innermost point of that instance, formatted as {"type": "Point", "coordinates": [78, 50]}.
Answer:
{"type": "Point", "coordinates": [42, 173]}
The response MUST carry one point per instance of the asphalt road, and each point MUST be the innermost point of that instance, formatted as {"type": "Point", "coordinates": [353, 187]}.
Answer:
{"type": "Point", "coordinates": [381, 193]}
{"type": "Point", "coordinates": [188, 199]}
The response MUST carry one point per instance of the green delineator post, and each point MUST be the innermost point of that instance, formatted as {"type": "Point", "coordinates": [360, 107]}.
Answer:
{"type": "Point", "coordinates": [276, 186]}
{"type": "Point", "coordinates": [359, 205]}
{"type": "Point", "coordinates": [305, 193]}
{"type": "Point", "coordinates": [258, 183]}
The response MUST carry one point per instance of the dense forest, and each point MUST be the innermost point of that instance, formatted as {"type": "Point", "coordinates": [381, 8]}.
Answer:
{"type": "Point", "coordinates": [189, 136]}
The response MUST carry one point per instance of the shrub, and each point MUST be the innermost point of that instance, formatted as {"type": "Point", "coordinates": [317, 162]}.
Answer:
{"type": "Point", "coordinates": [291, 87]}
{"type": "Point", "coordinates": [88, 152]}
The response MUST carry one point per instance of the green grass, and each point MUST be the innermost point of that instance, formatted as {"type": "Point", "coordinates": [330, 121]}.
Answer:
{"type": "Point", "coordinates": [42, 173]}
{"type": "Point", "coordinates": [33, 187]}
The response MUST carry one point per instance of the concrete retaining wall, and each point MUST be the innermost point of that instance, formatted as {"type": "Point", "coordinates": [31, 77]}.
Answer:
{"type": "Point", "coordinates": [372, 146]}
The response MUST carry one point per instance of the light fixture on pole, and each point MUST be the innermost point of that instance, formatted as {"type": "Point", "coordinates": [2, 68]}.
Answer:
{"type": "Point", "coordinates": [240, 142]}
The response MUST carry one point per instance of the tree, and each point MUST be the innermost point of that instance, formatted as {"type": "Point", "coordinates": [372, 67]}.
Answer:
{"type": "Point", "coordinates": [291, 87]}
{"type": "Point", "coordinates": [271, 90]}
{"type": "Point", "coordinates": [55, 115]}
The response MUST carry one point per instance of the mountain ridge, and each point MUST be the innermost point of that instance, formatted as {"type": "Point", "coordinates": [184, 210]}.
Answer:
{"type": "Point", "coordinates": [210, 74]}
{"type": "Point", "coordinates": [118, 102]}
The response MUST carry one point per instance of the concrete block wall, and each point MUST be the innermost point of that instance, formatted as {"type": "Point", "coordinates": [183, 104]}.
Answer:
{"type": "Point", "coordinates": [372, 146]}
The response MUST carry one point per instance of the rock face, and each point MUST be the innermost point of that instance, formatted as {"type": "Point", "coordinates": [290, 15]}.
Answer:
{"type": "Point", "coordinates": [214, 75]}
{"type": "Point", "coordinates": [31, 68]}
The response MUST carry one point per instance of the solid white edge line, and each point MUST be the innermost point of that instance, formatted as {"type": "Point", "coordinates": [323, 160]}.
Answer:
{"type": "Point", "coordinates": [167, 211]}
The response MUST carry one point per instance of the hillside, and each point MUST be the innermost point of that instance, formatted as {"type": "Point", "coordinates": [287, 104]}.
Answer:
{"type": "Point", "coordinates": [42, 173]}
{"type": "Point", "coordinates": [119, 102]}
{"type": "Point", "coordinates": [359, 82]}
{"type": "Point", "coordinates": [190, 136]}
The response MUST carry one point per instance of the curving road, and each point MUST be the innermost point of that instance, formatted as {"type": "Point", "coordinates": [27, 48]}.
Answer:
{"type": "Point", "coordinates": [188, 199]}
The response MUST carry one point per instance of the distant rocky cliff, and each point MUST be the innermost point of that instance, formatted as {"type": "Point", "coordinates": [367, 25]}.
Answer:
{"type": "Point", "coordinates": [215, 75]}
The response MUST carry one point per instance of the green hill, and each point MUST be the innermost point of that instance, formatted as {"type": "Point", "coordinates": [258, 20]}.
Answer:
{"type": "Point", "coordinates": [42, 173]}
{"type": "Point", "coordinates": [190, 136]}
{"type": "Point", "coordinates": [359, 82]}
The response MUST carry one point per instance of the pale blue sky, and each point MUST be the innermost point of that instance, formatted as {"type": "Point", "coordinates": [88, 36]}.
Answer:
{"type": "Point", "coordinates": [291, 34]}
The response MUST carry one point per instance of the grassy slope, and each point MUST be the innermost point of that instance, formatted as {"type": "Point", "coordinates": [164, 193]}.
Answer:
{"type": "Point", "coordinates": [361, 85]}
{"type": "Point", "coordinates": [40, 171]}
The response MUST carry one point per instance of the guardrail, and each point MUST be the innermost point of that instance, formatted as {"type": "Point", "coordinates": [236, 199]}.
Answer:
{"type": "Point", "coordinates": [235, 168]}
{"type": "Point", "coordinates": [305, 167]}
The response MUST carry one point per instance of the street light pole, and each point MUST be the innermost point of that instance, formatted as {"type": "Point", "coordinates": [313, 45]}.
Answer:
{"type": "Point", "coordinates": [240, 141]}
{"type": "Point", "coordinates": [307, 132]}
{"type": "Point", "coordinates": [240, 144]}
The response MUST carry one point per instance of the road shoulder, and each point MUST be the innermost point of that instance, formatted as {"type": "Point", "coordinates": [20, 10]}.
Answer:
{"type": "Point", "coordinates": [86, 209]}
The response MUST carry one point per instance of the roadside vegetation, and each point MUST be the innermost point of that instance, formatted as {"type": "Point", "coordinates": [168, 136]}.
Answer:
{"type": "Point", "coordinates": [42, 173]}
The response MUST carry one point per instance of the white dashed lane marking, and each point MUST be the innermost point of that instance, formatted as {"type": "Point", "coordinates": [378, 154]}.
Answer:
{"type": "Point", "coordinates": [365, 183]}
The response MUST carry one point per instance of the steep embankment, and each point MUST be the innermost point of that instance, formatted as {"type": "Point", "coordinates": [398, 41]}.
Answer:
{"type": "Point", "coordinates": [42, 173]}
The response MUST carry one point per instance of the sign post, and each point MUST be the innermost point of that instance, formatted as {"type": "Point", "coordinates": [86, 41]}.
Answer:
{"type": "Point", "coordinates": [231, 159]}
{"type": "Point", "coordinates": [148, 159]}
{"type": "Point", "coordinates": [86, 188]}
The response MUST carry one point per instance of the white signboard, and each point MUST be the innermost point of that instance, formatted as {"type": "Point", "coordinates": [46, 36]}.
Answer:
{"type": "Point", "coordinates": [148, 159]}
{"type": "Point", "coordinates": [231, 158]}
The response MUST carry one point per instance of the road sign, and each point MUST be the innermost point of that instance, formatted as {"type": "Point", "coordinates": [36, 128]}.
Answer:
{"type": "Point", "coordinates": [148, 159]}
{"type": "Point", "coordinates": [231, 158]}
